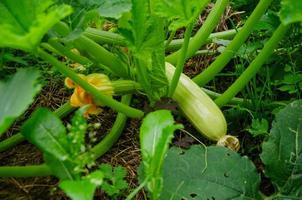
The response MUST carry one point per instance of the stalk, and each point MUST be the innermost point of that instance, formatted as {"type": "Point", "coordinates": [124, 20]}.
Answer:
{"type": "Point", "coordinates": [25, 171]}
{"type": "Point", "coordinates": [10, 142]}
{"type": "Point", "coordinates": [101, 55]}
{"type": "Point", "coordinates": [102, 147]}
{"type": "Point", "coordinates": [203, 33]}
{"type": "Point", "coordinates": [170, 39]}
{"type": "Point", "coordinates": [125, 87]}
{"type": "Point", "coordinates": [98, 96]}
{"type": "Point", "coordinates": [66, 52]}
{"type": "Point", "coordinates": [244, 102]}
{"type": "Point", "coordinates": [253, 68]}
{"type": "Point", "coordinates": [105, 37]}
{"type": "Point", "coordinates": [229, 34]}
{"type": "Point", "coordinates": [181, 60]}
{"type": "Point", "coordinates": [222, 60]}
{"type": "Point", "coordinates": [98, 150]}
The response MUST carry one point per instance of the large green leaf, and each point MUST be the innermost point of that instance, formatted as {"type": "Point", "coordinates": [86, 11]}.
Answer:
{"type": "Point", "coordinates": [24, 22]}
{"type": "Point", "coordinates": [180, 12]}
{"type": "Point", "coordinates": [208, 173]}
{"type": "Point", "coordinates": [156, 133]}
{"type": "Point", "coordinates": [16, 95]}
{"type": "Point", "coordinates": [114, 8]}
{"type": "Point", "coordinates": [145, 34]}
{"type": "Point", "coordinates": [45, 130]}
{"type": "Point", "coordinates": [282, 152]}
{"type": "Point", "coordinates": [291, 11]}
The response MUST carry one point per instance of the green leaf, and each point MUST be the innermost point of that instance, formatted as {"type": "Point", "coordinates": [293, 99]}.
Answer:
{"type": "Point", "coordinates": [114, 8]}
{"type": "Point", "coordinates": [113, 179]}
{"type": "Point", "coordinates": [45, 130]}
{"type": "Point", "coordinates": [16, 95]}
{"type": "Point", "coordinates": [208, 173]}
{"type": "Point", "coordinates": [259, 127]}
{"type": "Point", "coordinates": [145, 35]}
{"type": "Point", "coordinates": [83, 189]}
{"type": "Point", "coordinates": [156, 133]}
{"type": "Point", "coordinates": [282, 152]}
{"type": "Point", "coordinates": [291, 11]}
{"type": "Point", "coordinates": [78, 190]}
{"type": "Point", "coordinates": [64, 170]}
{"type": "Point", "coordinates": [24, 22]}
{"type": "Point", "coordinates": [181, 13]}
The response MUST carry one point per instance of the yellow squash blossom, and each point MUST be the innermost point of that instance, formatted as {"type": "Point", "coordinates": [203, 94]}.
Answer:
{"type": "Point", "coordinates": [81, 98]}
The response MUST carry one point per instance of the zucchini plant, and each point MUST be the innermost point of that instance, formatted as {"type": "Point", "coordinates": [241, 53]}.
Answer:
{"type": "Point", "coordinates": [137, 59]}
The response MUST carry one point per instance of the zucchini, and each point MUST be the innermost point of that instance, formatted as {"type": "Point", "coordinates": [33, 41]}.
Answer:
{"type": "Point", "coordinates": [201, 110]}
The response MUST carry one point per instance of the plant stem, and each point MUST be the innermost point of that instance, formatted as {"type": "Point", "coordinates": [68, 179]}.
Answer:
{"type": "Point", "coordinates": [122, 87]}
{"type": "Point", "coordinates": [99, 98]}
{"type": "Point", "coordinates": [137, 189]}
{"type": "Point", "coordinates": [170, 39]}
{"type": "Point", "coordinates": [101, 55]}
{"type": "Point", "coordinates": [11, 141]}
{"type": "Point", "coordinates": [102, 147]}
{"type": "Point", "coordinates": [66, 52]}
{"type": "Point", "coordinates": [105, 37]}
{"type": "Point", "coordinates": [61, 28]}
{"type": "Point", "coordinates": [229, 34]}
{"type": "Point", "coordinates": [181, 60]}
{"type": "Point", "coordinates": [61, 112]}
{"type": "Point", "coordinates": [222, 60]}
{"type": "Point", "coordinates": [253, 68]}
{"type": "Point", "coordinates": [25, 171]}
{"type": "Point", "coordinates": [203, 33]}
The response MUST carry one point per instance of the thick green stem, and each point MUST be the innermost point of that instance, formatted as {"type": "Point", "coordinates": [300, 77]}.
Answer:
{"type": "Point", "coordinates": [61, 28]}
{"type": "Point", "coordinates": [25, 171]}
{"type": "Point", "coordinates": [104, 37]}
{"type": "Point", "coordinates": [181, 60]}
{"type": "Point", "coordinates": [222, 60]}
{"type": "Point", "coordinates": [114, 134]}
{"type": "Point", "coordinates": [61, 112]}
{"type": "Point", "coordinates": [66, 52]}
{"type": "Point", "coordinates": [245, 102]}
{"type": "Point", "coordinates": [101, 55]}
{"type": "Point", "coordinates": [125, 87]}
{"type": "Point", "coordinates": [11, 141]}
{"type": "Point", "coordinates": [253, 68]}
{"type": "Point", "coordinates": [99, 98]}
{"type": "Point", "coordinates": [203, 33]}
{"type": "Point", "coordinates": [229, 34]}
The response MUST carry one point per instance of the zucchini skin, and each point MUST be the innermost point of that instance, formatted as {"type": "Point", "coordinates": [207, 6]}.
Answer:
{"type": "Point", "coordinates": [198, 107]}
